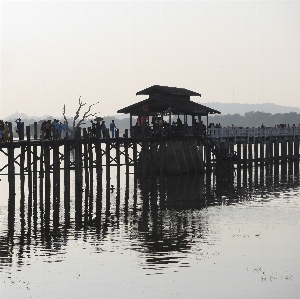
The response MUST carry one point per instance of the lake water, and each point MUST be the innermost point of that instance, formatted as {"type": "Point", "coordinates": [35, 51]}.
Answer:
{"type": "Point", "coordinates": [170, 237]}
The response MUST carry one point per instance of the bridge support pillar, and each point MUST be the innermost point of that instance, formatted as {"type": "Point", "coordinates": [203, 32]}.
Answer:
{"type": "Point", "coordinates": [262, 152]}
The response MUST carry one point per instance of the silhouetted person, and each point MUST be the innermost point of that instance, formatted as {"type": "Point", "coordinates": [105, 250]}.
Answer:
{"type": "Point", "coordinates": [20, 129]}
{"type": "Point", "coordinates": [112, 127]}
{"type": "Point", "coordinates": [179, 122]}
{"type": "Point", "coordinates": [103, 128]}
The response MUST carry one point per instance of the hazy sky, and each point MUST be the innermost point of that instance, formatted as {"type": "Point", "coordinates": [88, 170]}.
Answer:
{"type": "Point", "coordinates": [106, 51]}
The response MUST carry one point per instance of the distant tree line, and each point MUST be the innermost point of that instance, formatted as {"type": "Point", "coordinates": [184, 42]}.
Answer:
{"type": "Point", "coordinates": [255, 119]}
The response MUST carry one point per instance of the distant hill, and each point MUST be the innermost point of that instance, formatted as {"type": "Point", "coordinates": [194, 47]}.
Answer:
{"type": "Point", "coordinates": [241, 109]}
{"type": "Point", "coordinates": [24, 116]}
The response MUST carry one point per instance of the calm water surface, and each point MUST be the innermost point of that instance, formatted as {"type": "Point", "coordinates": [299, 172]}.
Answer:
{"type": "Point", "coordinates": [170, 237]}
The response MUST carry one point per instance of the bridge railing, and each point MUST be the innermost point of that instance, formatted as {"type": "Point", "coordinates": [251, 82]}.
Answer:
{"type": "Point", "coordinates": [252, 132]}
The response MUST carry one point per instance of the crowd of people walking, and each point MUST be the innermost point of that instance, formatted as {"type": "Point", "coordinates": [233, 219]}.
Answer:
{"type": "Point", "coordinates": [53, 130]}
{"type": "Point", "coordinates": [56, 129]}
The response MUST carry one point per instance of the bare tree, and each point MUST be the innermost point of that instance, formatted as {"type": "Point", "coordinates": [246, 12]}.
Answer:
{"type": "Point", "coordinates": [84, 117]}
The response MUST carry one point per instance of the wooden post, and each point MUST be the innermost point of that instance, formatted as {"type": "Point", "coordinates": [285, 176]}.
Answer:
{"type": "Point", "coordinates": [256, 159]}
{"type": "Point", "coordinates": [276, 161]}
{"type": "Point", "coordinates": [86, 175]}
{"type": "Point", "coordinates": [296, 149]}
{"type": "Point", "coordinates": [267, 153]}
{"type": "Point", "coordinates": [283, 168]}
{"type": "Point", "coordinates": [99, 177]}
{"type": "Point", "coordinates": [276, 151]}
{"type": "Point", "coordinates": [91, 173]}
{"type": "Point", "coordinates": [283, 151]}
{"type": "Point", "coordinates": [22, 133]}
{"type": "Point", "coordinates": [250, 157]}
{"type": "Point", "coordinates": [107, 147]}
{"type": "Point", "coordinates": [250, 175]}
{"type": "Point", "coordinates": [238, 153]}
{"type": "Point", "coordinates": [34, 178]}
{"type": "Point", "coordinates": [67, 181]}
{"type": "Point", "coordinates": [29, 176]}
{"type": "Point", "coordinates": [207, 157]}
{"type": "Point", "coordinates": [238, 176]}
{"type": "Point", "coordinates": [11, 182]}
{"type": "Point", "coordinates": [290, 158]}
{"type": "Point", "coordinates": [262, 174]}
{"type": "Point", "coordinates": [151, 149]}
{"type": "Point", "coordinates": [130, 127]}
{"type": "Point", "coordinates": [143, 155]}
{"type": "Point", "coordinates": [78, 177]}
{"type": "Point", "coordinates": [271, 151]}
{"type": "Point", "coordinates": [245, 175]}
{"type": "Point", "coordinates": [270, 162]}
{"type": "Point", "coordinates": [22, 181]}
{"type": "Point", "coordinates": [41, 182]}
{"type": "Point", "coordinates": [118, 167]}
{"type": "Point", "coordinates": [161, 157]}
{"type": "Point", "coordinates": [126, 145]}
{"type": "Point", "coordinates": [262, 152]}
{"type": "Point", "coordinates": [35, 135]}
{"type": "Point", "coordinates": [290, 150]}
{"type": "Point", "coordinates": [255, 146]}
{"type": "Point", "coordinates": [296, 161]}
{"type": "Point", "coordinates": [261, 159]}
{"type": "Point", "coordinates": [256, 168]}
{"type": "Point", "coordinates": [56, 182]}
{"type": "Point", "coordinates": [245, 158]}
{"type": "Point", "coordinates": [47, 181]}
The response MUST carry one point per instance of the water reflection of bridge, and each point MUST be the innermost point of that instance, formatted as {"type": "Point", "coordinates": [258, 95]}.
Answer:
{"type": "Point", "coordinates": [160, 214]}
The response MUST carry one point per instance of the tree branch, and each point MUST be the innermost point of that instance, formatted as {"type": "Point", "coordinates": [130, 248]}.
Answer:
{"type": "Point", "coordinates": [81, 104]}
{"type": "Point", "coordinates": [64, 114]}
{"type": "Point", "coordinates": [85, 116]}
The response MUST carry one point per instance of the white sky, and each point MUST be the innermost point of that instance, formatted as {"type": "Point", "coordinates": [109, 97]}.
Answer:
{"type": "Point", "coordinates": [54, 51]}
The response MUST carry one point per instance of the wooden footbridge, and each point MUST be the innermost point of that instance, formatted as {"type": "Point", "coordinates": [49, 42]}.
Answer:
{"type": "Point", "coordinates": [156, 148]}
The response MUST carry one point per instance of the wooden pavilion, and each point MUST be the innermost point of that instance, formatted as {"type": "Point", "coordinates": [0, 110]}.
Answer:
{"type": "Point", "coordinates": [165, 101]}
